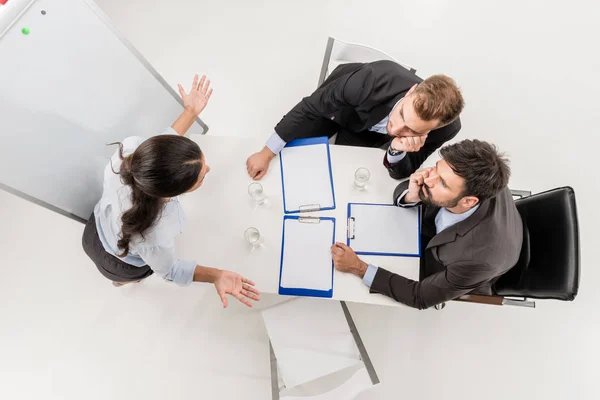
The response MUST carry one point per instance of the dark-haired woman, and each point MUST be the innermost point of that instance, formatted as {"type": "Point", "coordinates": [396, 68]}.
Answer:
{"type": "Point", "coordinates": [131, 234]}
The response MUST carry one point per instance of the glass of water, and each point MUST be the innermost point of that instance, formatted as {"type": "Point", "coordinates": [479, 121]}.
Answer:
{"type": "Point", "coordinates": [361, 177]}
{"type": "Point", "coordinates": [252, 236]}
{"type": "Point", "coordinates": [255, 190]}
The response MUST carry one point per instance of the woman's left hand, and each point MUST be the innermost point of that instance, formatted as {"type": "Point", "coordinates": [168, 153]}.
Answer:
{"type": "Point", "coordinates": [198, 96]}
{"type": "Point", "coordinates": [230, 283]}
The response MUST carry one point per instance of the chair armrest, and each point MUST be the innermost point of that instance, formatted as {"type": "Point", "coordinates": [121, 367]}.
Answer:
{"type": "Point", "coordinates": [477, 298]}
{"type": "Point", "coordinates": [496, 300]}
{"type": "Point", "coordinates": [520, 193]}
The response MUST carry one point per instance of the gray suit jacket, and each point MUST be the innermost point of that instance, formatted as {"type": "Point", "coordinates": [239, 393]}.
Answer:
{"type": "Point", "coordinates": [465, 258]}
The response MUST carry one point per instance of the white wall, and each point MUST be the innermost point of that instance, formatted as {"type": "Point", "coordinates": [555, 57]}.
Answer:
{"type": "Point", "coordinates": [527, 70]}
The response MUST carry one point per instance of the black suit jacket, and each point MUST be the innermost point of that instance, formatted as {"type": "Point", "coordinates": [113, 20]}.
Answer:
{"type": "Point", "coordinates": [354, 98]}
{"type": "Point", "coordinates": [467, 257]}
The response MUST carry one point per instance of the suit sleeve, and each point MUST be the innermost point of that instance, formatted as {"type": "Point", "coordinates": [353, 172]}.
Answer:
{"type": "Point", "coordinates": [348, 90]}
{"type": "Point", "coordinates": [456, 280]}
{"type": "Point", "coordinates": [413, 161]}
{"type": "Point", "coordinates": [399, 190]}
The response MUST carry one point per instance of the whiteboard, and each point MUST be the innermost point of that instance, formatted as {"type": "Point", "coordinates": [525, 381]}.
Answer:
{"type": "Point", "coordinates": [69, 87]}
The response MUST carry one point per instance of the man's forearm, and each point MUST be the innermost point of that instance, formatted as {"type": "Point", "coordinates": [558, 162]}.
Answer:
{"type": "Point", "coordinates": [407, 200]}
{"type": "Point", "coordinates": [393, 156]}
{"type": "Point", "coordinates": [267, 152]}
{"type": "Point", "coordinates": [402, 201]}
{"type": "Point", "coordinates": [360, 269]}
{"type": "Point", "coordinates": [184, 122]}
{"type": "Point", "coordinates": [275, 144]}
{"type": "Point", "coordinates": [398, 287]}
{"type": "Point", "coordinates": [400, 169]}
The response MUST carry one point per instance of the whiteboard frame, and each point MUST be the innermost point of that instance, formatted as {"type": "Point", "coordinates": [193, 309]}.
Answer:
{"type": "Point", "coordinates": [104, 18]}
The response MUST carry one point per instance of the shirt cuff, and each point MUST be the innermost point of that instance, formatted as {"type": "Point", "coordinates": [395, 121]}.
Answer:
{"type": "Point", "coordinates": [275, 143]}
{"type": "Point", "coordinates": [395, 159]}
{"type": "Point", "coordinates": [370, 275]}
{"type": "Point", "coordinates": [182, 272]}
{"type": "Point", "coordinates": [169, 131]}
{"type": "Point", "coordinates": [400, 204]}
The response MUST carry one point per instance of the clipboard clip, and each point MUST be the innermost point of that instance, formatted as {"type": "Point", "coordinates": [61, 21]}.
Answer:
{"type": "Point", "coordinates": [309, 220]}
{"type": "Point", "coordinates": [351, 230]}
{"type": "Point", "coordinates": [309, 208]}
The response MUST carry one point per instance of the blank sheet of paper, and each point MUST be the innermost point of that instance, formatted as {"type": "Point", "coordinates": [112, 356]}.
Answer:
{"type": "Point", "coordinates": [358, 382]}
{"type": "Point", "coordinates": [310, 338]}
{"type": "Point", "coordinates": [385, 229]}
{"type": "Point", "coordinates": [306, 175]}
{"type": "Point", "coordinates": [306, 259]}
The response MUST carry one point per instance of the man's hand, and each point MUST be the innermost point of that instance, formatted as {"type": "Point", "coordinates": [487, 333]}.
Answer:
{"type": "Point", "coordinates": [258, 163]}
{"type": "Point", "coordinates": [230, 283]}
{"type": "Point", "coordinates": [415, 184]}
{"type": "Point", "coordinates": [198, 97]}
{"type": "Point", "coordinates": [346, 260]}
{"type": "Point", "coordinates": [409, 144]}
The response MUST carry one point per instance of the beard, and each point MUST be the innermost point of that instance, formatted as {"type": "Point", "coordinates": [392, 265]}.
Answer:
{"type": "Point", "coordinates": [427, 199]}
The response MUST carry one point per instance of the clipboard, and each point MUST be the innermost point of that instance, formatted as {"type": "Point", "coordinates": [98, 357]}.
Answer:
{"type": "Point", "coordinates": [306, 267]}
{"type": "Point", "coordinates": [384, 230]}
{"type": "Point", "coordinates": [306, 177]}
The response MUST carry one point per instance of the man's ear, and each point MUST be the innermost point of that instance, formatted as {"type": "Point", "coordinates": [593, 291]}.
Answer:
{"type": "Point", "coordinates": [469, 201]}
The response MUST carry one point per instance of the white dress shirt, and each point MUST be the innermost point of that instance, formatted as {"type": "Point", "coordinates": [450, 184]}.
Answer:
{"type": "Point", "coordinates": [157, 248]}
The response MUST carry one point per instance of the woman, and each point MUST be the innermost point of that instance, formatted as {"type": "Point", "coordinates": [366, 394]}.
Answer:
{"type": "Point", "coordinates": [131, 233]}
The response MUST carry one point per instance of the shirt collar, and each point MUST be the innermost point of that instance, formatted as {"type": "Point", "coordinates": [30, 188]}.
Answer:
{"type": "Point", "coordinates": [445, 219]}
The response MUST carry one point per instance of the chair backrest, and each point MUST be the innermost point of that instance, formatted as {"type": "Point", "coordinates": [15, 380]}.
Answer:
{"type": "Point", "coordinates": [549, 264]}
{"type": "Point", "coordinates": [339, 52]}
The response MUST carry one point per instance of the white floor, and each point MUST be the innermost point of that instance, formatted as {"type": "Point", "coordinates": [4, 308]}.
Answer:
{"type": "Point", "coordinates": [528, 72]}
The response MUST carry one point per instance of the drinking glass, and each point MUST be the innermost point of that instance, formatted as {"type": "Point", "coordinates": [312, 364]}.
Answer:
{"type": "Point", "coordinates": [361, 177]}
{"type": "Point", "coordinates": [255, 190]}
{"type": "Point", "coordinates": [252, 236]}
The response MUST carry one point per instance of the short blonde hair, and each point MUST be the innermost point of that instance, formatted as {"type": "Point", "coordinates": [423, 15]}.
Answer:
{"type": "Point", "coordinates": [438, 97]}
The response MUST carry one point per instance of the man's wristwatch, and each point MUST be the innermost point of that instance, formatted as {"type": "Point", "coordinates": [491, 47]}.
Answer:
{"type": "Point", "coordinates": [393, 152]}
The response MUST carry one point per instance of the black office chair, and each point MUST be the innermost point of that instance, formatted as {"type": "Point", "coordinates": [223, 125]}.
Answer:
{"type": "Point", "coordinates": [548, 267]}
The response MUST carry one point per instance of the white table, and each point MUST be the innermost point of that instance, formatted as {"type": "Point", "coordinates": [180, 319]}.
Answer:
{"type": "Point", "coordinates": [221, 210]}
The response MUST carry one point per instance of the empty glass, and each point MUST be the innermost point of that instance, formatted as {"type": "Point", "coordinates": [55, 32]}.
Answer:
{"type": "Point", "coordinates": [252, 236]}
{"type": "Point", "coordinates": [255, 190]}
{"type": "Point", "coordinates": [361, 177]}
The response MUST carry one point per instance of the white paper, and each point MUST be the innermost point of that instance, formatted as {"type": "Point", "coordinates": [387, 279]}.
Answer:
{"type": "Point", "coordinates": [307, 261]}
{"type": "Point", "coordinates": [310, 339]}
{"type": "Point", "coordinates": [358, 383]}
{"type": "Point", "coordinates": [306, 176]}
{"type": "Point", "coordinates": [385, 229]}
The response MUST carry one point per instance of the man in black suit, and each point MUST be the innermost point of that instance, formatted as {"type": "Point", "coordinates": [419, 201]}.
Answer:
{"type": "Point", "coordinates": [379, 104]}
{"type": "Point", "coordinates": [471, 234]}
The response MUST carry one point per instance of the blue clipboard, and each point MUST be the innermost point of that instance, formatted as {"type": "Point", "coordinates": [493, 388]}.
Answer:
{"type": "Point", "coordinates": [304, 291]}
{"type": "Point", "coordinates": [376, 253]}
{"type": "Point", "coordinates": [307, 142]}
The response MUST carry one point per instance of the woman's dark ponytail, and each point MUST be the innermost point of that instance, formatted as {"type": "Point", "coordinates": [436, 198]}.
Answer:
{"type": "Point", "coordinates": [161, 167]}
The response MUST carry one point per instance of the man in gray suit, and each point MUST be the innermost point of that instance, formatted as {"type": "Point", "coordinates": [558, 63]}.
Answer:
{"type": "Point", "coordinates": [471, 232]}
